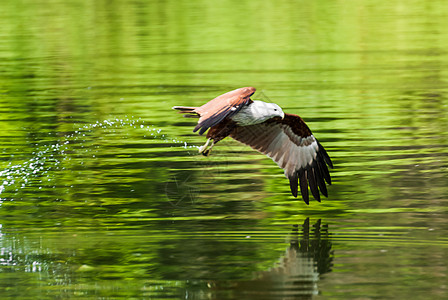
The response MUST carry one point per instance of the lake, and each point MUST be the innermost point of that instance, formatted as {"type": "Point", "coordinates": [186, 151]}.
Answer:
{"type": "Point", "coordinates": [103, 193]}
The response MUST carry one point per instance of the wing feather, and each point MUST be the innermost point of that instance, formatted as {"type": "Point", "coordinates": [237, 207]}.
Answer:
{"type": "Point", "coordinates": [226, 105]}
{"type": "Point", "coordinates": [290, 143]}
{"type": "Point", "coordinates": [294, 185]}
{"type": "Point", "coordinates": [320, 180]}
{"type": "Point", "coordinates": [313, 183]}
{"type": "Point", "coordinates": [304, 185]}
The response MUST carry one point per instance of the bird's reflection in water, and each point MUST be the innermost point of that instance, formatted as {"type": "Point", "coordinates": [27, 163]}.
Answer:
{"type": "Point", "coordinates": [297, 273]}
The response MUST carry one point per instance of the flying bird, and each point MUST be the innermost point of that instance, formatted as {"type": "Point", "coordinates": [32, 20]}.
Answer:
{"type": "Point", "coordinates": [284, 137]}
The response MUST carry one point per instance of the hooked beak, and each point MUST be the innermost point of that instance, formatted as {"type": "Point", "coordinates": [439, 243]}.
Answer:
{"type": "Point", "coordinates": [283, 115]}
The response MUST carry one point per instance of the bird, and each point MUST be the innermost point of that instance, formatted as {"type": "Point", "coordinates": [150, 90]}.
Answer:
{"type": "Point", "coordinates": [283, 137]}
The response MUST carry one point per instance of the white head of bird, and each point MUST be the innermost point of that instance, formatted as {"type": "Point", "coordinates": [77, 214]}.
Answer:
{"type": "Point", "coordinates": [258, 112]}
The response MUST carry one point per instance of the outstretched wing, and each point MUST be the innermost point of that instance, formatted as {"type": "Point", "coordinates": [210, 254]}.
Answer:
{"type": "Point", "coordinates": [221, 107]}
{"type": "Point", "coordinates": [290, 143]}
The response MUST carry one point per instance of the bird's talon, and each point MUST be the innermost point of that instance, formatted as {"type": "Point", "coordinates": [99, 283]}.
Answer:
{"type": "Point", "coordinates": [204, 147]}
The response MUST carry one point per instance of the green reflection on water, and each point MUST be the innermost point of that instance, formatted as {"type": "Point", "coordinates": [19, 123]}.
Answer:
{"type": "Point", "coordinates": [120, 210]}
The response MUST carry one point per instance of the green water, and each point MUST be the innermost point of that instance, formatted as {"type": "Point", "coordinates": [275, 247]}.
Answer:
{"type": "Point", "coordinates": [103, 194]}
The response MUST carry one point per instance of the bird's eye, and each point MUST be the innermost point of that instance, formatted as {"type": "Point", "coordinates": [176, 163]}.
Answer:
{"type": "Point", "coordinates": [275, 109]}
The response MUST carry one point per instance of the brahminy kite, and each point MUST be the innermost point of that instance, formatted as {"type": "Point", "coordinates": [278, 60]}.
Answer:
{"type": "Point", "coordinates": [285, 138]}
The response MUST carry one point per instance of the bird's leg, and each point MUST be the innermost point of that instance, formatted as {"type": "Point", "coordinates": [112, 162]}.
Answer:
{"type": "Point", "coordinates": [207, 151]}
{"type": "Point", "coordinates": [203, 148]}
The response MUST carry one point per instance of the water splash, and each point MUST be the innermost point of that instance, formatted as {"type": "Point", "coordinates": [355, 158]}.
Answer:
{"type": "Point", "coordinates": [19, 175]}
{"type": "Point", "coordinates": [48, 157]}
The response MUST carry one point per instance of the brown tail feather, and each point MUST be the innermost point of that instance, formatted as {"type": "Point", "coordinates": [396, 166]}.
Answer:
{"type": "Point", "coordinates": [187, 110]}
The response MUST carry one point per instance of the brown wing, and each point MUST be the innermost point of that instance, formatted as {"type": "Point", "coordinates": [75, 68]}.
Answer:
{"type": "Point", "coordinates": [221, 107]}
{"type": "Point", "coordinates": [290, 143]}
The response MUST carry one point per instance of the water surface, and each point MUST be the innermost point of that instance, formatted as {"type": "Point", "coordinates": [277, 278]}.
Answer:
{"type": "Point", "coordinates": [103, 193]}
